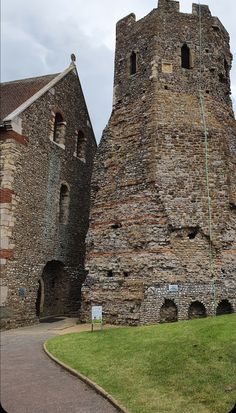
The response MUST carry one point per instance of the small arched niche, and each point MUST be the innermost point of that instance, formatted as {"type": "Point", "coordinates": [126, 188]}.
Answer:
{"type": "Point", "coordinates": [196, 310]}
{"type": "Point", "coordinates": [224, 307]}
{"type": "Point", "coordinates": [64, 202]}
{"type": "Point", "coordinates": [80, 148]}
{"type": "Point", "coordinates": [168, 312]}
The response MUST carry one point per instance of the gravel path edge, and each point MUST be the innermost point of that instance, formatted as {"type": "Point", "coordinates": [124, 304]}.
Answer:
{"type": "Point", "coordinates": [86, 380]}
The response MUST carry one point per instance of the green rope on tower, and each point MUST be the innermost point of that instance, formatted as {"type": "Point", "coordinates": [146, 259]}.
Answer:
{"type": "Point", "coordinates": [206, 135]}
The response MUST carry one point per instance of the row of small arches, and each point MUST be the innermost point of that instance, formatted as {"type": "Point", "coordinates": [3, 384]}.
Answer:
{"type": "Point", "coordinates": [169, 310]}
{"type": "Point", "coordinates": [59, 132]}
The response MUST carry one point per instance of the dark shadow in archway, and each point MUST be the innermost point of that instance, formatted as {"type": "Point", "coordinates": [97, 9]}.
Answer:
{"type": "Point", "coordinates": [196, 310]}
{"type": "Point", "coordinates": [56, 286]}
{"type": "Point", "coordinates": [38, 299]}
{"type": "Point", "coordinates": [224, 307]}
{"type": "Point", "coordinates": [168, 312]}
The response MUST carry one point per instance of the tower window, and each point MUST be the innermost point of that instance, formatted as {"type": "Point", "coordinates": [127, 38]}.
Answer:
{"type": "Point", "coordinates": [59, 129]}
{"type": "Point", "coordinates": [185, 57]}
{"type": "Point", "coordinates": [133, 63]}
{"type": "Point", "coordinates": [64, 204]}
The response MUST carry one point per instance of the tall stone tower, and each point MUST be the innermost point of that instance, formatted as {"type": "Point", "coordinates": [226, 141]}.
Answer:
{"type": "Point", "coordinates": [162, 239]}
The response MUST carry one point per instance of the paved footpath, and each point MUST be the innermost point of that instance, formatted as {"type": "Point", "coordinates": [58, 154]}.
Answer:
{"type": "Point", "coordinates": [33, 383]}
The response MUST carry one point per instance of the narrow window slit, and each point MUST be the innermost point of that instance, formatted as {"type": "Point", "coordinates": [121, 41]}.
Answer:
{"type": "Point", "coordinates": [133, 63]}
{"type": "Point", "coordinates": [185, 57]}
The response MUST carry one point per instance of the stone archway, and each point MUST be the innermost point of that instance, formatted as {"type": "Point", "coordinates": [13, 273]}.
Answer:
{"type": "Point", "coordinates": [55, 283]}
{"type": "Point", "coordinates": [224, 307]}
{"type": "Point", "coordinates": [168, 312]}
{"type": "Point", "coordinates": [196, 310]}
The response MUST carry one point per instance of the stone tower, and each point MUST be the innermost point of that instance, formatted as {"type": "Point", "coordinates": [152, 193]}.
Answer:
{"type": "Point", "coordinates": [162, 239]}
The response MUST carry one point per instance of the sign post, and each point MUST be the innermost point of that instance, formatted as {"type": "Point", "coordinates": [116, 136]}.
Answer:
{"type": "Point", "coordinates": [96, 315]}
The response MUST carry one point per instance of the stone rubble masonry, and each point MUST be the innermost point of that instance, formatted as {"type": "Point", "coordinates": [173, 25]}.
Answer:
{"type": "Point", "coordinates": [149, 222]}
{"type": "Point", "coordinates": [33, 168]}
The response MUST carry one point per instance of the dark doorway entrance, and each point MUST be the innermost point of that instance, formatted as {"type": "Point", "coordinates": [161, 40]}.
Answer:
{"type": "Point", "coordinates": [196, 310]}
{"type": "Point", "coordinates": [55, 294]}
{"type": "Point", "coordinates": [168, 312]}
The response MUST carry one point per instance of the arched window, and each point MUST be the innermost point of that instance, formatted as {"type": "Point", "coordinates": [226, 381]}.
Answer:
{"type": "Point", "coordinates": [59, 129]}
{"type": "Point", "coordinates": [80, 150]}
{"type": "Point", "coordinates": [64, 204]}
{"type": "Point", "coordinates": [185, 57]}
{"type": "Point", "coordinates": [196, 310]}
{"type": "Point", "coordinates": [133, 63]}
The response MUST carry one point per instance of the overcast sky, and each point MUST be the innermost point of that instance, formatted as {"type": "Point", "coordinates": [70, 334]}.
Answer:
{"type": "Point", "coordinates": [39, 36]}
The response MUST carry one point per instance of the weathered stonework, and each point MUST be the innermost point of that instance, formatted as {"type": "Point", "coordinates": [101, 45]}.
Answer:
{"type": "Point", "coordinates": [149, 222]}
{"type": "Point", "coordinates": [42, 254]}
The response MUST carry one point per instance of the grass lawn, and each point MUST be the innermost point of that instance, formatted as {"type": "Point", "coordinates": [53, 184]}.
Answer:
{"type": "Point", "coordinates": [184, 367]}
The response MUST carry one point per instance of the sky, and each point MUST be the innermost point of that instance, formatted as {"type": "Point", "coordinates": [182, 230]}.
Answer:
{"type": "Point", "coordinates": [38, 37]}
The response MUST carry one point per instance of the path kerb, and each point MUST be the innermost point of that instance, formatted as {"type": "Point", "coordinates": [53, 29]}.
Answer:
{"type": "Point", "coordinates": [89, 382]}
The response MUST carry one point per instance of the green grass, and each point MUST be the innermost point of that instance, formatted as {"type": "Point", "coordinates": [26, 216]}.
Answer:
{"type": "Point", "coordinates": [185, 367]}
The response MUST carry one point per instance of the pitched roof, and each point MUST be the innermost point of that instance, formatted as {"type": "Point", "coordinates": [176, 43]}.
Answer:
{"type": "Point", "coordinates": [15, 93]}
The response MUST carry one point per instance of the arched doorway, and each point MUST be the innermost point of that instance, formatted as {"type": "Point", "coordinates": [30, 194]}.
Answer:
{"type": "Point", "coordinates": [196, 310]}
{"type": "Point", "coordinates": [55, 290]}
{"type": "Point", "coordinates": [168, 312]}
{"type": "Point", "coordinates": [224, 307]}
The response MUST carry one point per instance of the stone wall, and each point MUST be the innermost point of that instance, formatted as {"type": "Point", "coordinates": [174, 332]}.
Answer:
{"type": "Point", "coordinates": [34, 171]}
{"type": "Point", "coordinates": [149, 221]}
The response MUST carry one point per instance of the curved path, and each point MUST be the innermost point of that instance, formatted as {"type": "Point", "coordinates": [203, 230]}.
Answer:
{"type": "Point", "coordinates": [32, 383]}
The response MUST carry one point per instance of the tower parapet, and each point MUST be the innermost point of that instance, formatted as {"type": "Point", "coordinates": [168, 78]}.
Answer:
{"type": "Point", "coordinates": [201, 9]}
{"type": "Point", "coordinates": [168, 5]}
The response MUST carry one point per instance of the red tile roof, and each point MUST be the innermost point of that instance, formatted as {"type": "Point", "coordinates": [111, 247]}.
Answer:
{"type": "Point", "coordinates": [13, 94]}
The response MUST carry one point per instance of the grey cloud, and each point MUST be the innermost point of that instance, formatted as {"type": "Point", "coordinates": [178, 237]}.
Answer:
{"type": "Point", "coordinates": [38, 37]}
